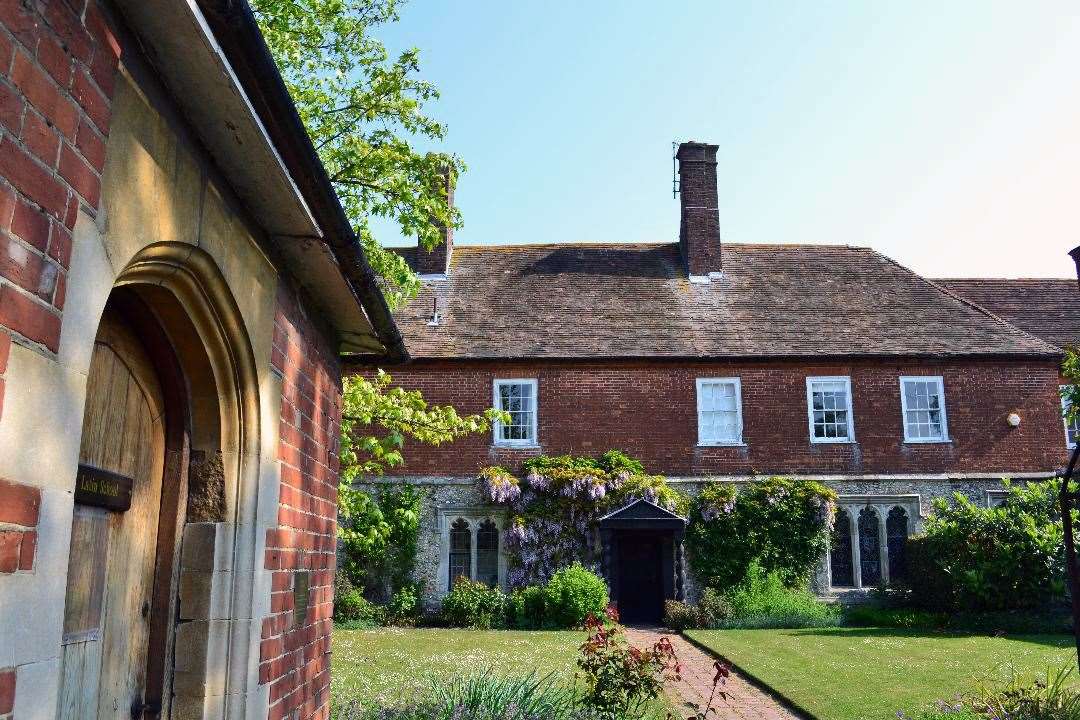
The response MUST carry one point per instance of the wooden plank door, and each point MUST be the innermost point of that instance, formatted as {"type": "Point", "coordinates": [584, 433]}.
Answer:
{"type": "Point", "coordinates": [111, 564]}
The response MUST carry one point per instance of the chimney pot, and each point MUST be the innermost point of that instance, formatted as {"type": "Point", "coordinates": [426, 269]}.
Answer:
{"type": "Point", "coordinates": [699, 220]}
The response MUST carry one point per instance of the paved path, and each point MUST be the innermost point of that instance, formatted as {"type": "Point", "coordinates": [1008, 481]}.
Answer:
{"type": "Point", "coordinates": [744, 700]}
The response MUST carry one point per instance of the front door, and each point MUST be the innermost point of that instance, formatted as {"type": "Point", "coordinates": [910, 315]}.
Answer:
{"type": "Point", "coordinates": [641, 583]}
{"type": "Point", "coordinates": [113, 533]}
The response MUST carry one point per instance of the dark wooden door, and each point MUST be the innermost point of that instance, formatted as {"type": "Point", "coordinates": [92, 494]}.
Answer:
{"type": "Point", "coordinates": [641, 582]}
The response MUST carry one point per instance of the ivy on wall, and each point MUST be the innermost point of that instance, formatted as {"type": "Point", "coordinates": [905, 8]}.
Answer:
{"type": "Point", "coordinates": [780, 524]}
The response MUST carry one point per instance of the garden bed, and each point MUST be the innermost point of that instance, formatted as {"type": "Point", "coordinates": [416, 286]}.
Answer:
{"type": "Point", "coordinates": [867, 673]}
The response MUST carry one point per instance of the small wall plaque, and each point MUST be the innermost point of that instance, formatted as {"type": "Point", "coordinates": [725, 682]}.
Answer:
{"type": "Point", "coordinates": [301, 591]}
{"type": "Point", "coordinates": [101, 488]}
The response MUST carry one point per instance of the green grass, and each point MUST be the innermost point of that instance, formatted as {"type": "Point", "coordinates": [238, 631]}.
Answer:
{"type": "Point", "coordinates": [390, 666]}
{"type": "Point", "coordinates": [870, 673]}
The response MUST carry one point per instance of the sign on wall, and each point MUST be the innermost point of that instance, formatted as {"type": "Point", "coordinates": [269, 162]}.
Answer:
{"type": "Point", "coordinates": [104, 489]}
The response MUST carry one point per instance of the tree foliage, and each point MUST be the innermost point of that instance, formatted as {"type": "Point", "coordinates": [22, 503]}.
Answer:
{"type": "Point", "coordinates": [363, 110]}
{"type": "Point", "coordinates": [377, 418]}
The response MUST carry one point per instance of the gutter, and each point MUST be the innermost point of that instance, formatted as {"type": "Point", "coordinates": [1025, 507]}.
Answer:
{"type": "Point", "coordinates": [237, 32]}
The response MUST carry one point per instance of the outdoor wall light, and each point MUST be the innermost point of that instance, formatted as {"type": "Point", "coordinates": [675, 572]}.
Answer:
{"type": "Point", "coordinates": [1013, 419]}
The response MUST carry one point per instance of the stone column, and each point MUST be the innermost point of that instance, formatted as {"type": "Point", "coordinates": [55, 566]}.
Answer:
{"type": "Point", "coordinates": [883, 543]}
{"type": "Point", "coordinates": [680, 568]}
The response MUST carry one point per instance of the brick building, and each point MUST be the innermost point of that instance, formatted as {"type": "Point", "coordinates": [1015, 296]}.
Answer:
{"type": "Point", "coordinates": [178, 285]}
{"type": "Point", "coordinates": [719, 362]}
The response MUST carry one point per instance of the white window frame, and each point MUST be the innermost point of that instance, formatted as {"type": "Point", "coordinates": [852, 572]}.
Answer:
{"type": "Point", "coordinates": [904, 408]}
{"type": "Point", "coordinates": [1064, 420]}
{"type": "Point", "coordinates": [497, 426]}
{"type": "Point", "coordinates": [810, 380]}
{"type": "Point", "coordinates": [738, 442]}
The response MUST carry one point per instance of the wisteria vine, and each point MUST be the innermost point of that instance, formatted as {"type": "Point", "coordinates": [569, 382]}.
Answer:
{"type": "Point", "coordinates": [557, 505]}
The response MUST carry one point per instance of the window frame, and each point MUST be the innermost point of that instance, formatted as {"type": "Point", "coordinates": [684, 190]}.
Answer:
{"type": "Point", "coordinates": [1064, 420]}
{"type": "Point", "coordinates": [940, 381]}
{"type": "Point", "coordinates": [497, 426]}
{"type": "Point", "coordinates": [846, 379]}
{"type": "Point", "coordinates": [738, 442]}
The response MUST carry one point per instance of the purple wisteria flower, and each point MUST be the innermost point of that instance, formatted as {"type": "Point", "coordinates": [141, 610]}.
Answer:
{"type": "Point", "coordinates": [499, 486]}
{"type": "Point", "coordinates": [537, 481]}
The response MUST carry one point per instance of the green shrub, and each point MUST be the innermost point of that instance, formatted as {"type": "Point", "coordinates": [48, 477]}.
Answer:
{"type": "Point", "coordinates": [713, 609]}
{"type": "Point", "coordinates": [379, 534]}
{"type": "Point", "coordinates": [779, 523]}
{"type": "Point", "coordinates": [573, 594]}
{"type": "Point", "coordinates": [764, 601]}
{"type": "Point", "coordinates": [473, 604]}
{"type": "Point", "coordinates": [711, 612]}
{"type": "Point", "coordinates": [525, 608]}
{"type": "Point", "coordinates": [351, 608]}
{"type": "Point", "coordinates": [404, 607]}
{"type": "Point", "coordinates": [978, 558]}
{"type": "Point", "coordinates": [681, 616]}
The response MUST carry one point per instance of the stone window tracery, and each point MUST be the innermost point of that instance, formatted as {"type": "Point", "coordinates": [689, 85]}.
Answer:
{"type": "Point", "coordinates": [460, 551]}
{"type": "Point", "coordinates": [487, 554]}
{"type": "Point", "coordinates": [869, 547]}
{"type": "Point", "coordinates": [868, 544]}
{"type": "Point", "coordinates": [471, 547]}
{"type": "Point", "coordinates": [896, 532]}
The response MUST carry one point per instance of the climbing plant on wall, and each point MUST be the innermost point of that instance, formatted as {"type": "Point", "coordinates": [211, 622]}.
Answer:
{"type": "Point", "coordinates": [781, 524]}
{"type": "Point", "coordinates": [378, 533]}
{"type": "Point", "coordinates": [556, 507]}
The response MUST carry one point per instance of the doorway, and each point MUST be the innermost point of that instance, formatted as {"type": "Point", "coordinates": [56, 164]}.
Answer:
{"type": "Point", "coordinates": [116, 617]}
{"type": "Point", "coordinates": [641, 584]}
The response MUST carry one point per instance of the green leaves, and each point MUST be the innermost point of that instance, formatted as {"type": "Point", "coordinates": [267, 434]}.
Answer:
{"type": "Point", "coordinates": [363, 110]}
{"type": "Point", "coordinates": [401, 414]}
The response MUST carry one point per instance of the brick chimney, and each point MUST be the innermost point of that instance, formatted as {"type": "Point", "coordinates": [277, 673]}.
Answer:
{"type": "Point", "coordinates": [699, 222]}
{"type": "Point", "coordinates": [1075, 254]}
{"type": "Point", "coordinates": [437, 260]}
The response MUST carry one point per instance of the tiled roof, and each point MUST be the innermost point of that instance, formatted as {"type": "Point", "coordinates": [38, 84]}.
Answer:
{"type": "Point", "coordinates": [1047, 308]}
{"type": "Point", "coordinates": [591, 301]}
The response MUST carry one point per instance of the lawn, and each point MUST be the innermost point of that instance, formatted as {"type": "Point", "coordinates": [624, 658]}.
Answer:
{"type": "Point", "coordinates": [389, 666]}
{"type": "Point", "coordinates": [870, 673]}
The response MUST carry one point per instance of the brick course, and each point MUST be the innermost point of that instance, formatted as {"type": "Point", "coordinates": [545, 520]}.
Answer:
{"type": "Point", "coordinates": [20, 506]}
{"type": "Point", "coordinates": [295, 658]}
{"type": "Point", "coordinates": [649, 410]}
{"type": "Point", "coordinates": [58, 62]}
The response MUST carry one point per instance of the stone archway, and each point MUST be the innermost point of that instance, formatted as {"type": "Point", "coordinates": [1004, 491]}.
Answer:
{"type": "Point", "coordinates": [174, 300]}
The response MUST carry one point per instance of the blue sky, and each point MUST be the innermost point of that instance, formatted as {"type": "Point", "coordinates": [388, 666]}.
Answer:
{"type": "Point", "coordinates": [945, 134]}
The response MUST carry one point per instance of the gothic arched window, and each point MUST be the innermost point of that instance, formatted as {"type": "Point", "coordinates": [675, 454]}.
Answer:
{"type": "Point", "coordinates": [460, 551]}
{"type": "Point", "coordinates": [843, 574]}
{"type": "Point", "coordinates": [869, 547]}
{"type": "Point", "coordinates": [487, 553]}
{"type": "Point", "coordinates": [896, 530]}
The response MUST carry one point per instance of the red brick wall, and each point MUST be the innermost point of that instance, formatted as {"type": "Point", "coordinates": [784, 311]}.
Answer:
{"type": "Point", "coordinates": [7, 692]}
{"type": "Point", "coordinates": [649, 410]}
{"type": "Point", "coordinates": [295, 657]}
{"type": "Point", "coordinates": [58, 62]}
{"type": "Point", "coordinates": [19, 507]}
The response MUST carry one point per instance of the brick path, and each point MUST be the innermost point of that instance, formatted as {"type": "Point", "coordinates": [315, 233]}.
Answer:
{"type": "Point", "coordinates": [744, 700]}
